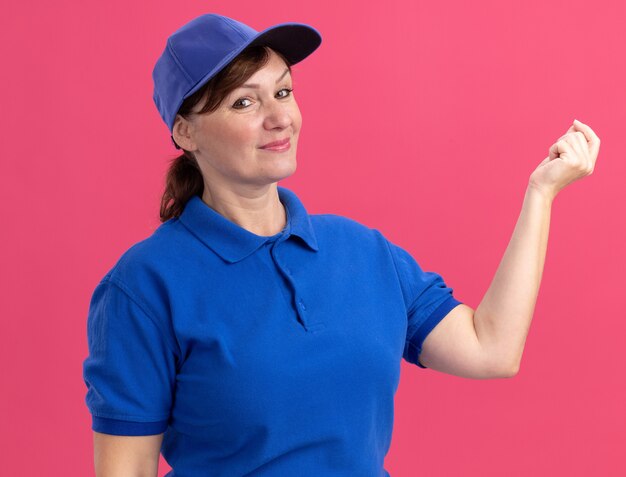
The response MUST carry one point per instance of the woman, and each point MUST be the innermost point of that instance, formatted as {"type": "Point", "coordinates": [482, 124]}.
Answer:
{"type": "Point", "coordinates": [247, 337]}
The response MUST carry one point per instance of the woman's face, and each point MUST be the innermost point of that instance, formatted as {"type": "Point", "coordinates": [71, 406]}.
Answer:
{"type": "Point", "coordinates": [229, 141]}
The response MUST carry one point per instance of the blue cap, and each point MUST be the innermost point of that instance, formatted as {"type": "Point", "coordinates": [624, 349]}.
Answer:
{"type": "Point", "coordinates": [200, 49]}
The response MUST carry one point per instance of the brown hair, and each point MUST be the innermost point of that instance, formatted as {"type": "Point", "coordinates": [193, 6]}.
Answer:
{"type": "Point", "coordinates": [184, 177]}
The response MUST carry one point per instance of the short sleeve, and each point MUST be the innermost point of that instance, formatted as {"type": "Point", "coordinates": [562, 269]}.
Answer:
{"type": "Point", "coordinates": [427, 298]}
{"type": "Point", "coordinates": [130, 370]}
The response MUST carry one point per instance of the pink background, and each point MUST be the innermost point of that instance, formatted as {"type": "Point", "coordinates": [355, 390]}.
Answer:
{"type": "Point", "coordinates": [422, 119]}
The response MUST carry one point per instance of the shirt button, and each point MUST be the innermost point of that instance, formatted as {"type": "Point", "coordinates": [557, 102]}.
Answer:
{"type": "Point", "coordinates": [302, 305]}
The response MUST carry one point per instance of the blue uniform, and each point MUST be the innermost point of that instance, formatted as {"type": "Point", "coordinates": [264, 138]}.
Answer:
{"type": "Point", "coordinates": [255, 355]}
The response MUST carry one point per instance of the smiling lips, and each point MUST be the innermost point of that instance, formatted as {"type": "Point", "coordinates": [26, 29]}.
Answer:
{"type": "Point", "coordinates": [282, 145]}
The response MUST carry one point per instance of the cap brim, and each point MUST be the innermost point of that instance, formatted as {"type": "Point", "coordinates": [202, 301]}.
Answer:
{"type": "Point", "coordinates": [294, 40]}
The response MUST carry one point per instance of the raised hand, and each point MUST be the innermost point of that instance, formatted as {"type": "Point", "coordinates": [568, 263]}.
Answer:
{"type": "Point", "coordinates": [572, 157]}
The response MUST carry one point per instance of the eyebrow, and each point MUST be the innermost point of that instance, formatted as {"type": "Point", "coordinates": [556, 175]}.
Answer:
{"type": "Point", "coordinates": [256, 86]}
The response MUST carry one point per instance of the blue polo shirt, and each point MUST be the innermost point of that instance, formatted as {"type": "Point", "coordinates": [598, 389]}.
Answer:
{"type": "Point", "coordinates": [259, 355]}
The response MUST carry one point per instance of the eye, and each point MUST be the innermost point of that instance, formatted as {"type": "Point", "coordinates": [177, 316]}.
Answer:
{"type": "Point", "coordinates": [288, 92]}
{"type": "Point", "coordinates": [238, 104]}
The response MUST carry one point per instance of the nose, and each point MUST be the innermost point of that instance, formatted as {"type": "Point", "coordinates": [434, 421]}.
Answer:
{"type": "Point", "coordinates": [278, 115]}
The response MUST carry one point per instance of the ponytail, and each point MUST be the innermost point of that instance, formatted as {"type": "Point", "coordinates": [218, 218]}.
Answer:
{"type": "Point", "coordinates": [183, 181]}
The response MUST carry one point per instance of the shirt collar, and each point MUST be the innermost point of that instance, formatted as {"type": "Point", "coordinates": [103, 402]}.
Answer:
{"type": "Point", "coordinates": [231, 241]}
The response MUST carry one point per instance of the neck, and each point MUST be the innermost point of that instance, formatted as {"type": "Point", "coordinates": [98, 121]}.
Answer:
{"type": "Point", "coordinates": [259, 211]}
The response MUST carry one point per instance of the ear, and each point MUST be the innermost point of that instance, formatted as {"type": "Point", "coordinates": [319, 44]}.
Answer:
{"type": "Point", "coordinates": [182, 133]}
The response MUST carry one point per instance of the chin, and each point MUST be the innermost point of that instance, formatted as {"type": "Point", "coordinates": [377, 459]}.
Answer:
{"type": "Point", "coordinates": [282, 168]}
{"type": "Point", "coordinates": [283, 174]}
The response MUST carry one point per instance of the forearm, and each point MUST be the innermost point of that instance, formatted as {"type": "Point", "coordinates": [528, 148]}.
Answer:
{"type": "Point", "coordinates": [503, 317]}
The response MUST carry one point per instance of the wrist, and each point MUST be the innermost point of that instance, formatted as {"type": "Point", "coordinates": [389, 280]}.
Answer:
{"type": "Point", "coordinates": [540, 193]}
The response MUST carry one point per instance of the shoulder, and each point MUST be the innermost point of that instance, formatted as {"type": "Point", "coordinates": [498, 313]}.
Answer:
{"type": "Point", "coordinates": [142, 269]}
{"type": "Point", "coordinates": [349, 240]}
{"type": "Point", "coordinates": [340, 226]}
{"type": "Point", "coordinates": [143, 253]}
{"type": "Point", "coordinates": [145, 275]}
{"type": "Point", "coordinates": [346, 232]}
